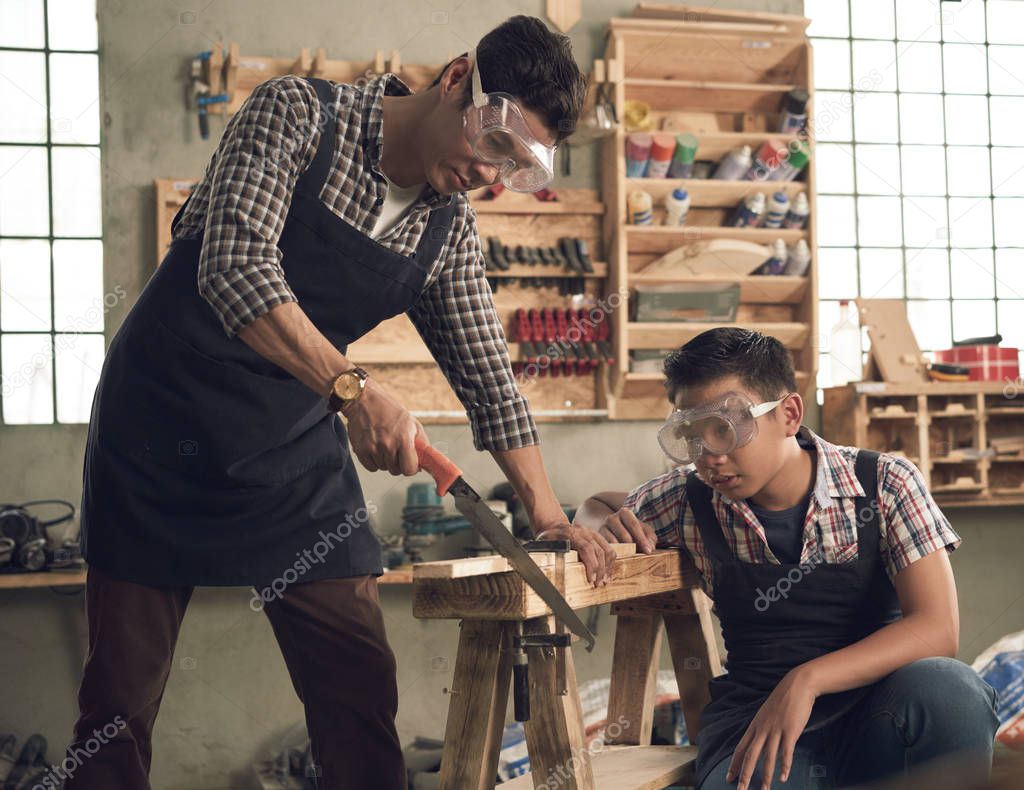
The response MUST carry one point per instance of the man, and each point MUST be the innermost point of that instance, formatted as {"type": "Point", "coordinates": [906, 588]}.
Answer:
{"type": "Point", "coordinates": [810, 552]}
{"type": "Point", "coordinates": [215, 454]}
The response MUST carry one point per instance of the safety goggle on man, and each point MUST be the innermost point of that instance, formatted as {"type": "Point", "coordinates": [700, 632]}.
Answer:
{"type": "Point", "coordinates": [715, 428]}
{"type": "Point", "coordinates": [499, 135]}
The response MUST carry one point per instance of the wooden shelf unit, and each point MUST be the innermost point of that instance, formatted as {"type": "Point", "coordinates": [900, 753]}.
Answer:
{"type": "Point", "coordinates": [724, 80]}
{"type": "Point", "coordinates": [943, 428]}
{"type": "Point", "coordinates": [404, 364]}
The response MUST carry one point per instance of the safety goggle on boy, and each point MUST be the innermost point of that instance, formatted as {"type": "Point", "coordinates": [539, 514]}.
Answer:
{"type": "Point", "coordinates": [717, 428]}
{"type": "Point", "coordinates": [499, 135]}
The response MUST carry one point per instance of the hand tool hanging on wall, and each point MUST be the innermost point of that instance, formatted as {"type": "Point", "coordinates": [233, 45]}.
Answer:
{"type": "Point", "coordinates": [202, 95]}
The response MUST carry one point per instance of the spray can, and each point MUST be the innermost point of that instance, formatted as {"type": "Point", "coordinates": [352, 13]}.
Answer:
{"type": "Point", "coordinates": [748, 212]}
{"type": "Point", "coordinates": [640, 208]}
{"type": "Point", "coordinates": [796, 219]}
{"type": "Point", "coordinates": [799, 155]}
{"type": "Point", "coordinates": [683, 157]}
{"type": "Point", "coordinates": [776, 264]}
{"type": "Point", "coordinates": [775, 211]}
{"type": "Point", "coordinates": [662, 146]}
{"type": "Point", "coordinates": [770, 157]}
{"type": "Point", "coordinates": [677, 205]}
{"type": "Point", "coordinates": [638, 149]}
{"type": "Point", "coordinates": [799, 259]}
{"type": "Point", "coordinates": [734, 165]}
{"type": "Point", "coordinates": [794, 111]}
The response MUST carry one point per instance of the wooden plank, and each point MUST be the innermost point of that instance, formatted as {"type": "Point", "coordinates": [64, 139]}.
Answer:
{"type": "Point", "coordinates": [671, 11]}
{"type": "Point", "coordinates": [506, 596]}
{"type": "Point", "coordinates": [779, 289]}
{"type": "Point", "coordinates": [661, 238]}
{"type": "Point", "coordinates": [893, 345]}
{"type": "Point", "coordinates": [480, 566]}
{"type": "Point", "coordinates": [634, 678]}
{"type": "Point", "coordinates": [555, 737]}
{"type": "Point", "coordinates": [674, 334]}
{"type": "Point", "coordinates": [632, 768]}
{"type": "Point", "coordinates": [691, 641]}
{"type": "Point", "coordinates": [14, 581]}
{"type": "Point", "coordinates": [540, 270]}
{"type": "Point", "coordinates": [476, 710]}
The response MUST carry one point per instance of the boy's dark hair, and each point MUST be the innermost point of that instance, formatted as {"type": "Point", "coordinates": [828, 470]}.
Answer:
{"type": "Point", "coordinates": [524, 59]}
{"type": "Point", "coordinates": [761, 363]}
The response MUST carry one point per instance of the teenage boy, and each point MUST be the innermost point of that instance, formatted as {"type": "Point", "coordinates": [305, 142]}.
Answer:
{"type": "Point", "coordinates": [829, 572]}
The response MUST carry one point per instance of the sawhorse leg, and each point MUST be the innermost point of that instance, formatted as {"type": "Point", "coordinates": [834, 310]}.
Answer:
{"type": "Point", "coordinates": [555, 738]}
{"type": "Point", "coordinates": [691, 639]}
{"type": "Point", "coordinates": [476, 712]}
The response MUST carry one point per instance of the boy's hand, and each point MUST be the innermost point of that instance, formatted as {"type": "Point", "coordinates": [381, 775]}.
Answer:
{"type": "Point", "coordinates": [623, 526]}
{"type": "Point", "coordinates": [773, 732]}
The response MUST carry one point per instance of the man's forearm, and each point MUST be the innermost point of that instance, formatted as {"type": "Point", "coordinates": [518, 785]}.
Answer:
{"type": "Point", "coordinates": [524, 468]}
{"type": "Point", "coordinates": [881, 653]}
{"type": "Point", "coordinates": [287, 337]}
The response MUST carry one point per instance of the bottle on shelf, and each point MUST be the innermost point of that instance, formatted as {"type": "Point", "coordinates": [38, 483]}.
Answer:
{"type": "Point", "coordinates": [794, 111]}
{"type": "Point", "coordinates": [683, 157]}
{"type": "Point", "coordinates": [638, 150]}
{"type": "Point", "coordinates": [799, 259]}
{"type": "Point", "coordinates": [734, 165]}
{"type": "Point", "coordinates": [677, 206]}
{"type": "Point", "coordinates": [640, 208]}
{"type": "Point", "coordinates": [799, 211]}
{"type": "Point", "coordinates": [770, 157]}
{"type": "Point", "coordinates": [748, 212]}
{"type": "Point", "coordinates": [799, 156]}
{"type": "Point", "coordinates": [662, 146]}
{"type": "Point", "coordinates": [777, 262]}
{"type": "Point", "coordinates": [844, 348]}
{"type": "Point", "coordinates": [775, 211]}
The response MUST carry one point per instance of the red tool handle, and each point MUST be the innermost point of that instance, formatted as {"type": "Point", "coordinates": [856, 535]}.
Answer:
{"type": "Point", "coordinates": [536, 325]}
{"type": "Point", "coordinates": [547, 315]}
{"type": "Point", "coordinates": [522, 326]}
{"type": "Point", "coordinates": [438, 466]}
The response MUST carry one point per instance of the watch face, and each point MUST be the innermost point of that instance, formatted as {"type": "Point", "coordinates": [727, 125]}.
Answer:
{"type": "Point", "coordinates": [347, 386]}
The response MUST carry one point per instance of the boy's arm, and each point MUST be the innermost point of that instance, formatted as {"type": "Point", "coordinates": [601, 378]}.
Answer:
{"type": "Point", "coordinates": [916, 541]}
{"type": "Point", "coordinates": [930, 626]}
{"type": "Point", "coordinates": [642, 516]}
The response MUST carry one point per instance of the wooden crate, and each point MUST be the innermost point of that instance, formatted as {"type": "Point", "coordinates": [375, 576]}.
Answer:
{"type": "Point", "coordinates": [722, 76]}
{"type": "Point", "coordinates": [945, 429]}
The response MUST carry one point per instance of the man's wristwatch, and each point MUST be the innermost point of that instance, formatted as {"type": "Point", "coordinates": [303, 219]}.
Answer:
{"type": "Point", "coordinates": [347, 388]}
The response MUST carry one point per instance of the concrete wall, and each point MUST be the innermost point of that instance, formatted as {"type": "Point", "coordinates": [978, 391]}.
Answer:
{"type": "Point", "coordinates": [229, 698]}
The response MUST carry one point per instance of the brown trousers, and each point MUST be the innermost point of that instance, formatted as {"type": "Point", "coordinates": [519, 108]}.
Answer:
{"type": "Point", "coordinates": [331, 634]}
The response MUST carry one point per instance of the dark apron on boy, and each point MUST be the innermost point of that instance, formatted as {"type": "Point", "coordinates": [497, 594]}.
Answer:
{"type": "Point", "coordinates": [825, 608]}
{"type": "Point", "coordinates": [207, 464]}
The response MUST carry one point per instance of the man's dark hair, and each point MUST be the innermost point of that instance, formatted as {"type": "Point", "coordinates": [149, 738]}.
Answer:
{"type": "Point", "coordinates": [761, 363]}
{"type": "Point", "coordinates": [523, 58]}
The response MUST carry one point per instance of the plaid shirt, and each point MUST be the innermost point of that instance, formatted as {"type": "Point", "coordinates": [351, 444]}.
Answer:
{"type": "Point", "coordinates": [241, 204]}
{"type": "Point", "coordinates": [911, 524]}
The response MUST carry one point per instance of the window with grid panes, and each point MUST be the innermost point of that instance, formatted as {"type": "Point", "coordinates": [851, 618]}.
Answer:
{"type": "Point", "coordinates": [52, 302]}
{"type": "Point", "coordinates": [920, 164]}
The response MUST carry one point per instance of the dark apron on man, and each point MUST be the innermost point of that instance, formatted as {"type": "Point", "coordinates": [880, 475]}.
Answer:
{"type": "Point", "coordinates": [815, 611]}
{"type": "Point", "coordinates": [207, 464]}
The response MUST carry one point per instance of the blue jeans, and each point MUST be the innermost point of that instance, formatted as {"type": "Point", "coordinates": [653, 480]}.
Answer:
{"type": "Point", "coordinates": [935, 709]}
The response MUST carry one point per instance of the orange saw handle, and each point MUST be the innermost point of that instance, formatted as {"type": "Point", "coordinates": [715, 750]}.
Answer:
{"type": "Point", "coordinates": [438, 465]}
